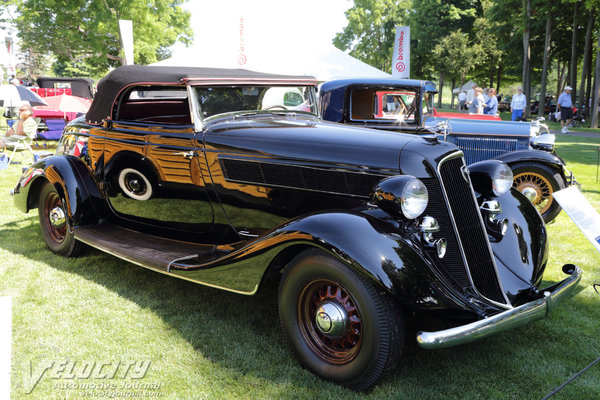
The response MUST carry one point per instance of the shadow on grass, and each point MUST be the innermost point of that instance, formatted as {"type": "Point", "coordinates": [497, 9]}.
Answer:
{"type": "Point", "coordinates": [242, 333]}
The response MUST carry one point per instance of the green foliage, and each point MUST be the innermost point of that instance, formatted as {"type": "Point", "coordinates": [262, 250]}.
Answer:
{"type": "Point", "coordinates": [371, 30]}
{"type": "Point", "coordinates": [87, 30]}
{"type": "Point", "coordinates": [455, 56]}
{"type": "Point", "coordinates": [430, 21]}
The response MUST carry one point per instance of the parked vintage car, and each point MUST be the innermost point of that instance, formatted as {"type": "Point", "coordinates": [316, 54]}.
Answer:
{"type": "Point", "coordinates": [527, 148]}
{"type": "Point", "coordinates": [196, 174]}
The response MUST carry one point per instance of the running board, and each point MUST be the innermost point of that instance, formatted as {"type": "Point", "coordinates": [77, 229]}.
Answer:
{"type": "Point", "coordinates": [146, 250]}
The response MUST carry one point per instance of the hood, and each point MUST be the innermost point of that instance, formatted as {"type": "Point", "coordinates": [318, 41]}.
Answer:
{"type": "Point", "coordinates": [308, 139]}
{"type": "Point", "coordinates": [486, 128]}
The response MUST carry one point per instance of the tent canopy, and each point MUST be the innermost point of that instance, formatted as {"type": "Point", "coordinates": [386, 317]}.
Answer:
{"type": "Point", "coordinates": [291, 59]}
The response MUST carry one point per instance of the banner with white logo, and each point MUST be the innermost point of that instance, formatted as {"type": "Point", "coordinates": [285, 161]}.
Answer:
{"type": "Point", "coordinates": [401, 58]}
{"type": "Point", "coordinates": [126, 28]}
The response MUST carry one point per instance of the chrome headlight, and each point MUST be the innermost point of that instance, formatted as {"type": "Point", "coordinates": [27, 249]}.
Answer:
{"type": "Point", "coordinates": [402, 195]}
{"type": "Point", "coordinates": [491, 177]}
{"type": "Point", "coordinates": [502, 180]}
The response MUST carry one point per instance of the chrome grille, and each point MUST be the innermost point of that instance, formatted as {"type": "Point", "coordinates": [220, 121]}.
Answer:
{"type": "Point", "coordinates": [479, 149]}
{"type": "Point", "coordinates": [466, 236]}
{"type": "Point", "coordinates": [470, 230]}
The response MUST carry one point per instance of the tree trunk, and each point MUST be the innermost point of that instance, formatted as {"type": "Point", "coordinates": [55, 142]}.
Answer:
{"type": "Point", "coordinates": [588, 88]}
{"type": "Point", "coordinates": [586, 56]}
{"type": "Point", "coordinates": [560, 74]}
{"type": "Point", "coordinates": [545, 64]}
{"type": "Point", "coordinates": [453, 86]}
{"type": "Point", "coordinates": [526, 57]}
{"type": "Point", "coordinates": [573, 63]}
{"type": "Point", "coordinates": [441, 83]}
{"type": "Point", "coordinates": [498, 76]}
{"type": "Point", "coordinates": [596, 92]}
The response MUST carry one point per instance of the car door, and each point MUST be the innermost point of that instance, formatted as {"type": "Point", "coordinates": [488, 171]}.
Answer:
{"type": "Point", "coordinates": [153, 162]}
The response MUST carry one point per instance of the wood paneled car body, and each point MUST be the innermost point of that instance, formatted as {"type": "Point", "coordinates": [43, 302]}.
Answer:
{"type": "Point", "coordinates": [227, 177]}
{"type": "Point", "coordinates": [406, 105]}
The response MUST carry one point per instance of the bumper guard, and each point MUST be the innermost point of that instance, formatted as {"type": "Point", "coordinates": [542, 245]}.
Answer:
{"type": "Point", "coordinates": [509, 319]}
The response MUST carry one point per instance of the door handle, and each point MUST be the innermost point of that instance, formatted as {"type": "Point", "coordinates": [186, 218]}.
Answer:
{"type": "Point", "coordinates": [189, 155]}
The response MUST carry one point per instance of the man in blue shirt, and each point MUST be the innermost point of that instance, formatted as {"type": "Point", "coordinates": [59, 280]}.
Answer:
{"type": "Point", "coordinates": [564, 105]}
{"type": "Point", "coordinates": [491, 105]}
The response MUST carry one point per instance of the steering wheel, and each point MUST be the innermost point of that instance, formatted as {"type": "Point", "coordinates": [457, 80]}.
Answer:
{"type": "Point", "coordinates": [275, 106]}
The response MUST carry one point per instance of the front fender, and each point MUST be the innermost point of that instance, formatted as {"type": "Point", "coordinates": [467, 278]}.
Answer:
{"type": "Point", "coordinates": [368, 245]}
{"type": "Point", "coordinates": [72, 181]}
{"type": "Point", "coordinates": [540, 156]}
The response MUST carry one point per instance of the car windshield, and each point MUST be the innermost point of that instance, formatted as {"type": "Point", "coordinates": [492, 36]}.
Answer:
{"type": "Point", "coordinates": [219, 100]}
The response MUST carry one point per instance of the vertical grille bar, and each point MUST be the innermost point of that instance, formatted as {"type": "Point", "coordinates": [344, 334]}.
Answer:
{"type": "Point", "coordinates": [479, 149]}
{"type": "Point", "coordinates": [470, 230]}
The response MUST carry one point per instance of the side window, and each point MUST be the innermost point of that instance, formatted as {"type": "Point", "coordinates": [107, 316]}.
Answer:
{"type": "Point", "coordinates": [165, 105]}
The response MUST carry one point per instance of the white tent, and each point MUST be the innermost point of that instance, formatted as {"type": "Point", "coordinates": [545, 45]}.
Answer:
{"type": "Point", "coordinates": [326, 64]}
{"type": "Point", "coordinates": [465, 88]}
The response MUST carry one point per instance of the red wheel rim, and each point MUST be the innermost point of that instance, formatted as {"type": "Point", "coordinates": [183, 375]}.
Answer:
{"type": "Point", "coordinates": [57, 232]}
{"type": "Point", "coordinates": [338, 350]}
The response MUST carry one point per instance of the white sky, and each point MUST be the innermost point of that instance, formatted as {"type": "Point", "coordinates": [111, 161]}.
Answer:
{"type": "Point", "coordinates": [278, 22]}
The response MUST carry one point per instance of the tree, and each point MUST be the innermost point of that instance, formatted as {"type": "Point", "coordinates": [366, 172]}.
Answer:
{"type": "Point", "coordinates": [449, 56]}
{"type": "Point", "coordinates": [371, 30]}
{"type": "Point", "coordinates": [430, 21]}
{"type": "Point", "coordinates": [546, 63]}
{"type": "Point", "coordinates": [88, 29]}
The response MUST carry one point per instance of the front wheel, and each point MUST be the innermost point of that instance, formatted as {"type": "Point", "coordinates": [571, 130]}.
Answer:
{"type": "Point", "coordinates": [338, 324]}
{"type": "Point", "coordinates": [54, 223]}
{"type": "Point", "coordinates": [538, 182]}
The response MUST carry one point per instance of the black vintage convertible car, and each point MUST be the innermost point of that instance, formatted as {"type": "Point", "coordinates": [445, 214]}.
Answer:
{"type": "Point", "coordinates": [228, 178]}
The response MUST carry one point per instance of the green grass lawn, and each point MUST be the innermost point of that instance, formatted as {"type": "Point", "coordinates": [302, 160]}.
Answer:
{"type": "Point", "coordinates": [203, 343]}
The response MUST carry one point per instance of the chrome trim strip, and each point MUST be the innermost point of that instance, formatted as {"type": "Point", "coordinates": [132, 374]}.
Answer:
{"type": "Point", "coordinates": [459, 154]}
{"type": "Point", "coordinates": [509, 319]}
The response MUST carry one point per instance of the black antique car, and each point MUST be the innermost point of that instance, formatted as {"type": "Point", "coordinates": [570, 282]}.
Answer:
{"type": "Point", "coordinates": [228, 178]}
{"type": "Point", "coordinates": [406, 105]}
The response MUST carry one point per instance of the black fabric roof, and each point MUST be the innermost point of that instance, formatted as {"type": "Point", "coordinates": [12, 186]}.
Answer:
{"type": "Point", "coordinates": [114, 82]}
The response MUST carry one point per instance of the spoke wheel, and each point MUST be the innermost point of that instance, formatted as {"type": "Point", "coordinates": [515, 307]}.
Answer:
{"type": "Point", "coordinates": [54, 223]}
{"type": "Point", "coordinates": [333, 347]}
{"type": "Point", "coordinates": [339, 324]}
{"type": "Point", "coordinates": [530, 183]}
{"type": "Point", "coordinates": [538, 182]}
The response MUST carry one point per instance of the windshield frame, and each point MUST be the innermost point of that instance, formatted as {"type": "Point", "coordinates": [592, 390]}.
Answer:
{"type": "Point", "coordinates": [200, 120]}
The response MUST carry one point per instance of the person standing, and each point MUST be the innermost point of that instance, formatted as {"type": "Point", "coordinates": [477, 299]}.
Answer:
{"type": "Point", "coordinates": [491, 105]}
{"type": "Point", "coordinates": [517, 104]}
{"type": "Point", "coordinates": [462, 99]}
{"type": "Point", "coordinates": [476, 106]}
{"type": "Point", "coordinates": [565, 105]}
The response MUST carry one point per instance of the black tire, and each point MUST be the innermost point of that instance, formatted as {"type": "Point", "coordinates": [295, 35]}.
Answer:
{"type": "Point", "coordinates": [54, 223]}
{"type": "Point", "coordinates": [372, 340]}
{"type": "Point", "coordinates": [545, 181]}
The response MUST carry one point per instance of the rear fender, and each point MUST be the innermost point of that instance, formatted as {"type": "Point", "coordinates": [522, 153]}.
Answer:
{"type": "Point", "coordinates": [73, 182]}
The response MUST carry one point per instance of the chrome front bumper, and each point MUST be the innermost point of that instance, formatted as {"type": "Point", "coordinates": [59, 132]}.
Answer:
{"type": "Point", "coordinates": [509, 319]}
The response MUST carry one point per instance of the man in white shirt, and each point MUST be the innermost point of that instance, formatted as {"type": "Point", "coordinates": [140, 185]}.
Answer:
{"type": "Point", "coordinates": [517, 104]}
{"type": "Point", "coordinates": [565, 105]}
{"type": "Point", "coordinates": [462, 99]}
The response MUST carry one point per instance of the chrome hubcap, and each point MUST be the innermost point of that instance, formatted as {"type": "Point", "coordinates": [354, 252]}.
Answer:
{"type": "Point", "coordinates": [57, 217]}
{"type": "Point", "coordinates": [331, 319]}
{"type": "Point", "coordinates": [530, 193]}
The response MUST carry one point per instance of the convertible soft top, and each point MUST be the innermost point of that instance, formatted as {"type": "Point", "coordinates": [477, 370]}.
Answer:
{"type": "Point", "coordinates": [116, 81]}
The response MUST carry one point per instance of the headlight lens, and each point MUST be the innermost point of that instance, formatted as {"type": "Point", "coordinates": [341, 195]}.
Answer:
{"type": "Point", "coordinates": [502, 180]}
{"type": "Point", "coordinates": [414, 198]}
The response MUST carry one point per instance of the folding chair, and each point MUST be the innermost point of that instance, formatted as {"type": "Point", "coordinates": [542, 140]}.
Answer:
{"type": "Point", "coordinates": [19, 143]}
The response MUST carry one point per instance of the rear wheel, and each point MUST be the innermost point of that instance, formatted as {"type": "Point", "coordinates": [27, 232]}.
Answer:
{"type": "Point", "coordinates": [338, 324]}
{"type": "Point", "coordinates": [54, 223]}
{"type": "Point", "coordinates": [538, 182]}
